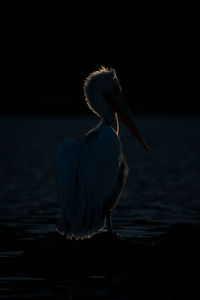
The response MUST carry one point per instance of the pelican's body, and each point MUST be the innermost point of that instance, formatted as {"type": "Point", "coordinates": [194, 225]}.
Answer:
{"type": "Point", "coordinates": [89, 179]}
{"type": "Point", "coordinates": [91, 171]}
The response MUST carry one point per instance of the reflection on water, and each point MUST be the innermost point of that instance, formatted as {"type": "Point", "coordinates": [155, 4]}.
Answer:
{"type": "Point", "coordinates": [162, 188]}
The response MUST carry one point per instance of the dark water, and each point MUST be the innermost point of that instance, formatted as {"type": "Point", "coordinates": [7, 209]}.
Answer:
{"type": "Point", "coordinates": [163, 188]}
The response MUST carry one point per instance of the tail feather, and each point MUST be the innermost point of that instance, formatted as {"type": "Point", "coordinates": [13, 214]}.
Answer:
{"type": "Point", "coordinates": [63, 228]}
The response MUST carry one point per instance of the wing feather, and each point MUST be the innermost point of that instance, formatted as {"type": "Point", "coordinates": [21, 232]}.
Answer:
{"type": "Point", "coordinates": [87, 171]}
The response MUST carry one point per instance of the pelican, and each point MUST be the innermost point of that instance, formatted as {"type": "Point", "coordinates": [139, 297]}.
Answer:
{"type": "Point", "coordinates": [91, 171]}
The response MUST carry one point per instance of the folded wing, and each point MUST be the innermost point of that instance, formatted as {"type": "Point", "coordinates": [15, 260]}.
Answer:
{"type": "Point", "coordinates": [86, 174]}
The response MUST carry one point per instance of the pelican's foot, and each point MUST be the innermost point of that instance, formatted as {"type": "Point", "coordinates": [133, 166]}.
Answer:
{"type": "Point", "coordinates": [109, 222]}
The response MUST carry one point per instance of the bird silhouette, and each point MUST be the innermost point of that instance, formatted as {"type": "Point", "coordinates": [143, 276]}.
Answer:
{"type": "Point", "coordinates": [91, 171]}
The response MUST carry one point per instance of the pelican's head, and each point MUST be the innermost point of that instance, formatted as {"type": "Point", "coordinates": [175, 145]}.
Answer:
{"type": "Point", "coordinates": [97, 85]}
{"type": "Point", "coordinates": [102, 91]}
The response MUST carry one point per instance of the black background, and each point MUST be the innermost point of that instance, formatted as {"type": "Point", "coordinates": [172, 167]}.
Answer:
{"type": "Point", "coordinates": [153, 49]}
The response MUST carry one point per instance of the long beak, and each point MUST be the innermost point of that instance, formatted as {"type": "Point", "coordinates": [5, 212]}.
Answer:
{"type": "Point", "coordinates": [125, 115]}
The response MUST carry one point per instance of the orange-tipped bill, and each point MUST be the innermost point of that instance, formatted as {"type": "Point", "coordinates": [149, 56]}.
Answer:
{"type": "Point", "coordinates": [122, 110]}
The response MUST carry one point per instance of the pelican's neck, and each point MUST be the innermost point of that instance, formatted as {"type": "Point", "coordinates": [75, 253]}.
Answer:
{"type": "Point", "coordinates": [112, 121]}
